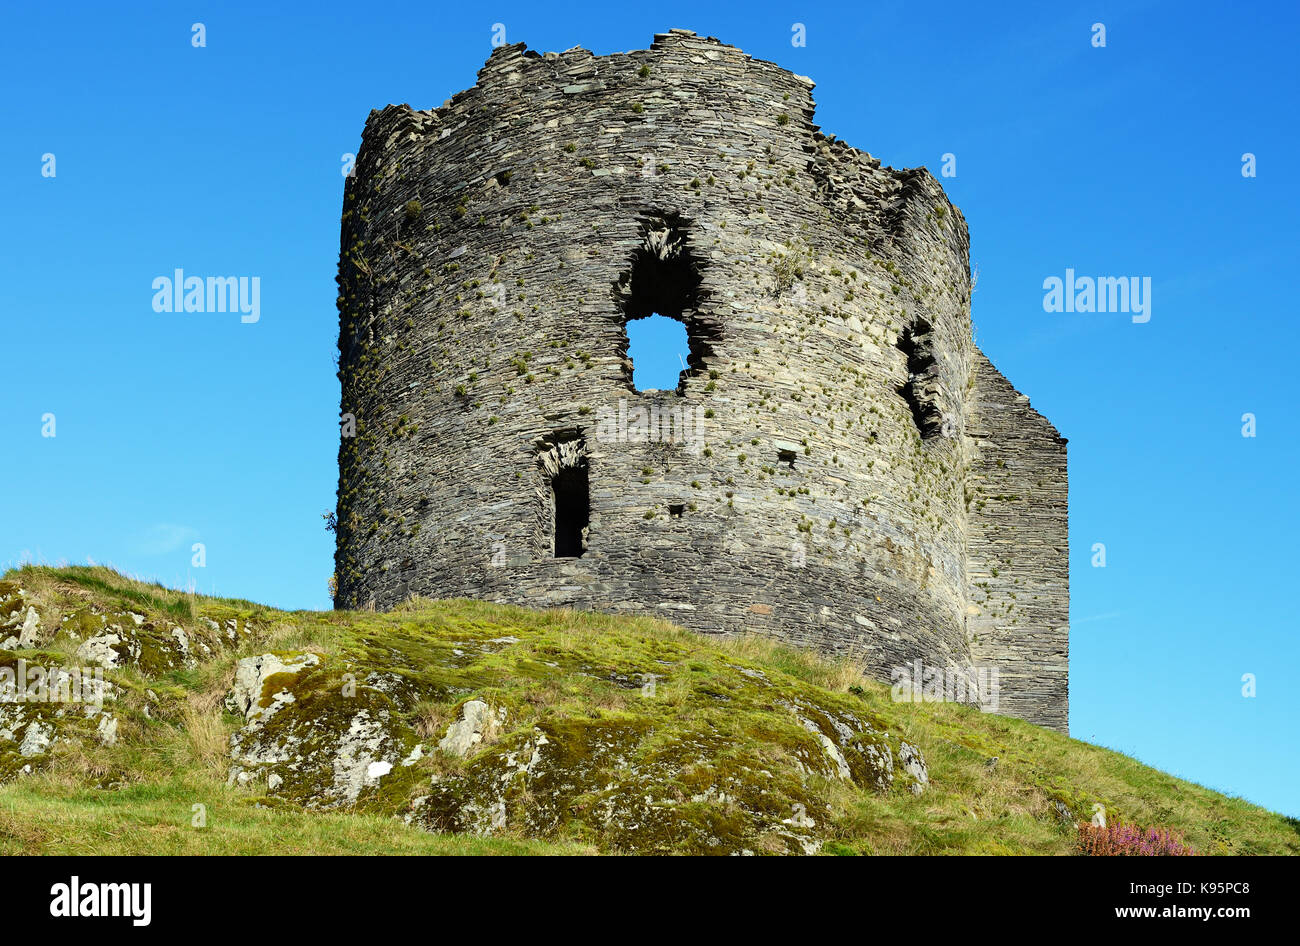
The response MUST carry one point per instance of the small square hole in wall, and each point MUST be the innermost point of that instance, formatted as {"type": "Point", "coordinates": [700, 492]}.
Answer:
{"type": "Point", "coordinates": [675, 511]}
{"type": "Point", "coordinates": [659, 295]}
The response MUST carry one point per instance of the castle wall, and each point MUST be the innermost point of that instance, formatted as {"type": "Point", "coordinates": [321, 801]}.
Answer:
{"type": "Point", "coordinates": [1018, 562]}
{"type": "Point", "coordinates": [492, 252]}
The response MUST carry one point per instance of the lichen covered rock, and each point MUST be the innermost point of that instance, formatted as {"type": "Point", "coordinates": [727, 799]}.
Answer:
{"type": "Point", "coordinates": [464, 729]}
{"type": "Point", "coordinates": [58, 657]}
{"type": "Point", "coordinates": [41, 706]}
{"type": "Point", "coordinates": [150, 643]}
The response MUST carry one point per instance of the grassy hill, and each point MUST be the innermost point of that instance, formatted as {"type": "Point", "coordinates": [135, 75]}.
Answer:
{"type": "Point", "coordinates": [459, 727]}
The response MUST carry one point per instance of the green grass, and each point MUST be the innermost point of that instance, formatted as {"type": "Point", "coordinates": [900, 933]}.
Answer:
{"type": "Point", "coordinates": [40, 815]}
{"type": "Point", "coordinates": [137, 796]}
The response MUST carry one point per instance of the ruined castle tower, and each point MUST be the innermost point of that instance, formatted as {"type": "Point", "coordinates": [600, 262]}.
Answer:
{"type": "Point", "coordinates": [839, 466]}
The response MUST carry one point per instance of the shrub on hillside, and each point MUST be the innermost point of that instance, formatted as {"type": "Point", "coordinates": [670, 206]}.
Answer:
{"type": "Point", "coordinates": [1126, 840]}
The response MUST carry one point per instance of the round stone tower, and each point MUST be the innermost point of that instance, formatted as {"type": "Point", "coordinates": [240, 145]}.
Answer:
{"type": "Point", "coordinates": [814, 475]}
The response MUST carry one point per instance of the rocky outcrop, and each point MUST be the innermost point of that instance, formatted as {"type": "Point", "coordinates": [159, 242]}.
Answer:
{"type": "Point", "coordinates": [553, 730]}
{"type": "Point", "coordinates": [119, 639]}
{"type": "Point", "coordinates": [47, 699]}
{"type": "Point", "coordinates": [41, 706]}
{"type": "Point", "coordinates": [742, 767]}
{"type": "Point", "coordinates": [261, 684]}
{"type": "Point", "coordinates": [20, 624]}
{"type": "Point", "coordinates": [476, 721]}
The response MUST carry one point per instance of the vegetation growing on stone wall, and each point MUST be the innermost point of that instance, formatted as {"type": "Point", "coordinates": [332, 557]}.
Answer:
{"type": "Point", "coordinates": [860, 230]}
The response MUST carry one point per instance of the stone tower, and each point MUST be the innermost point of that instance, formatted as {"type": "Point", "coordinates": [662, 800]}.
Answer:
{"type": "Point", "coordinates": [839, 466]}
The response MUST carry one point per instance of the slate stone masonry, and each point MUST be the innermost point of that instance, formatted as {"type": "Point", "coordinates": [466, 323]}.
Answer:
{"type": "Point", "coordinates": [839, 467]}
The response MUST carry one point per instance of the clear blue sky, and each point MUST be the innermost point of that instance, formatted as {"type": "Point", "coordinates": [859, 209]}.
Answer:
{"type": "Point", "coordinates": [1123, 160]}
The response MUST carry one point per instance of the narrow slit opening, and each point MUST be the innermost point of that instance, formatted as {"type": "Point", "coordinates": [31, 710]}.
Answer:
{"type": "Point", "coordinates": [921, 390]}
{"type": "Point", "coordinates": [572, 500]}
